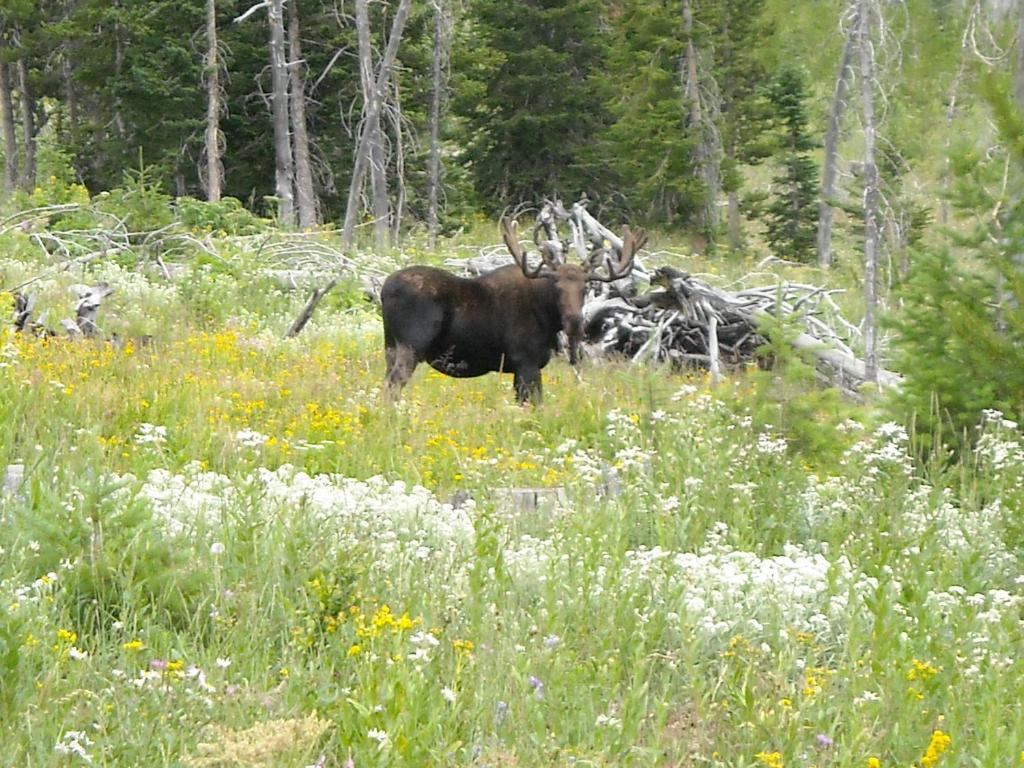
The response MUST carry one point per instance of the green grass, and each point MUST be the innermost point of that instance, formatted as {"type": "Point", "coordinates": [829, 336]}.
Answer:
{"type": "Point", "coordinates": [228, 551]}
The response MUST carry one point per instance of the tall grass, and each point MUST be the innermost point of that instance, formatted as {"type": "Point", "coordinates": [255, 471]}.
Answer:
{"type": "Point", "coordinates": [228, 551]}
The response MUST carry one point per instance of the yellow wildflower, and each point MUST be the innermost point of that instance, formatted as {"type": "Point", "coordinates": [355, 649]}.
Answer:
{"type": "Point", "coordinates": [67, 636]}
{"type": "Point", "coordinates": [770, 759]}
{"type": "Point", "coordinates": [354, 650]}
{"type": "Point", "coordinates": [939, 743]}
{"type": "Point", "coordinates": [463, 645]}
{"type": "Point", "coordinates": [874, 762]}
{"type": "Point", "coordinates": [133, 645]}
{"type": "Point", "coordinates": [921, 670]}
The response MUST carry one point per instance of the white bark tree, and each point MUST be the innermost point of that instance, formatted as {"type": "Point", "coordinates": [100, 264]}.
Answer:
{"type": "Point", "coordinates": [305, 197]}
{"type": "Point", "coordinates": [9, 133]}
{"type": "Point", "coordinates": [214, 167]}
{"type": "Point", "coordinates": [439, 85]}
{"type": "Point", "coordinates": [373, 104]}
{"type": "Point", "coordinates": [369, 148]}
{"type": "Point", "coordinates": [705, 151]}
{"type": "Point", "coordinates": [871, 229]}
{"type": "Point", "coordinates": [828, 168]}
{"type": "Point", "coordinates": [283, 170]}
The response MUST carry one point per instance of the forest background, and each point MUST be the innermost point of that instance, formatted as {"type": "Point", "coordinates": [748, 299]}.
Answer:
{"type": "Point", "coordinates": [739, 126]}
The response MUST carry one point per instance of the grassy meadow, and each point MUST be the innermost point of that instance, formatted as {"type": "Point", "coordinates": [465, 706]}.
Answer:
{"type": "Point", "coordinates": [227, 551]}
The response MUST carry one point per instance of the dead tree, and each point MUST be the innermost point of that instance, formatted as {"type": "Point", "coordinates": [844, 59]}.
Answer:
{"type": "Point", "coordinates": [665, 316]}
{"type": "Point", "coordinates": [373, 101]}
{"type": "Point", "coordinates": [214, 168]}
{"type": "Point", "coordinates": [374, 86]}
{"type": "Point", "coordinates": [699, 124]}
{"type": "Point", "coordinates": [307, 311]}
{"type": "Point", "coordinates": [951, 103]}
{"type": "Point", "coordinates": [7, 120]}
{"type": "Point", "coordinates": [283, 170]}
{"type": "Point", "coordinates": [437, 93]}
{"type": "Point", "coordinates": [88, 305]}
{"type": "Point", "coordinates": [305, 197]}
{"type": "Point", "coordinates": [828, 168]}
{"type": "Point", "coordinates": [28, 128]}
{"type": "Point", "coordinates": [283, 167]}
{"type": "Point", "coordinates": [871, 231]}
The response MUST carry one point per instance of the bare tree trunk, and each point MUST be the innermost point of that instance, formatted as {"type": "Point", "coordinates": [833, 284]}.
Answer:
{"type": "Point", "coordinates": [371, 121]}
{"type": "Point", "coordinates": [373, 110]}
{"type": "Point", "coordinates": [734, 225]}
{"type": "Point", "coordinates": [396, 219]}
{"type": "Point", "coordinates": [214, 168]}
{"type": "Point", "coordinates": [1018, 72]}
{"type": "Point", "coordinates": [283, 174]}
{"type": "Point", "coordinates": [954, 90]}
{"type": "Point", "coordinates": [436, 96]}
{"type": "Point", "coordinates": [828, 168]}
{"type": "Point", "coordinates": [28, 128]}
{"type": "Point", "coordinates": [10, 137]}
{"type": "Point", "coordinates": [70, 97]}
{"type": "Point", "coordinates": [119, 125]}
{"type": "Point", "coordinates": [703, 155]}
{"type": "Point", "coordinates": [867, 75]}
{"type": "Point", "coordinates": [373, 106]}
{"type": "Point", "coordinates": [67, 70]}
{"type": "Point", "coordinates": [304, 194]}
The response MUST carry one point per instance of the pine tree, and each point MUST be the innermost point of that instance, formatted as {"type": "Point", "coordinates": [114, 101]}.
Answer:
{"type": "Point", "coordinates": [740, 38]}
{"type": "Point", "coordinates": [648, 149]}
{"type": "Point", "coordinates": [961, 332]}
{"type": "Point", "coordinates": [531, 98]}
{"type": "Point", "coordinates": [792, 216]}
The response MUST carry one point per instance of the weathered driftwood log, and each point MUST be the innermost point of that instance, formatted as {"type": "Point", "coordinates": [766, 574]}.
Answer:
{"type": "Point", "coordinates": [307, 311]}
{"type": "Point", "coordinates": [24, 304]}
{"type": "Point", "coordinates": [14, 476]}
{"type": "Point", "coordinates": [89, 299]}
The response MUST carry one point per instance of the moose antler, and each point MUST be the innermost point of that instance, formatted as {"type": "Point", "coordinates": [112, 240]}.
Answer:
{"type": "Point", "coordinates": [631, 243]}
{"type": "Point", "coordinates": [508, 233]}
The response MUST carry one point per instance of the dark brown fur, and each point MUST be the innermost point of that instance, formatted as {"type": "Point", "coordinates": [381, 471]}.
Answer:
{"type": "Point", "coordinates": [502, 321]}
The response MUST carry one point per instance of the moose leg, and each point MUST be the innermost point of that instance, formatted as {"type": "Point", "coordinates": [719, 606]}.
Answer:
{"type": "Point", "coordinates": [527, 384]}
{"type": "Point", "coordinates": [401, 362]}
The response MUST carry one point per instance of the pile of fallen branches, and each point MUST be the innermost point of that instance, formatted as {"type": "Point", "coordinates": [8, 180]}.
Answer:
{"type": "Point", "coordinates": [666, 315]}
{"type": "Point", "coordinates": [309, 261]}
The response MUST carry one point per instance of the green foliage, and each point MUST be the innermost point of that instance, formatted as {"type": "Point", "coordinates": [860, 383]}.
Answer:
{"type": "Point", "coordinates": [792, 215]}
{"type": "Point", "coordinates": [787, 396]}
{"type": "Point", "coordinates": [531, 99]}
{"type": "Point", "coordinates": [227, 215]}
{"type": "Point", "coordinates": [139, 202]}
{"type": "Point", "coordinates": [114, 563]}
{"type": "Point", "coordinates": [648, 147]}
{"type": "Point", "coordinates": [11, 639]}
{"type": "Point", "coordinates": [212, 579]}
{"type": "Point", "coordinates": [961, 331]}
{"type": "Point", "coordinates": [210, 293]}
